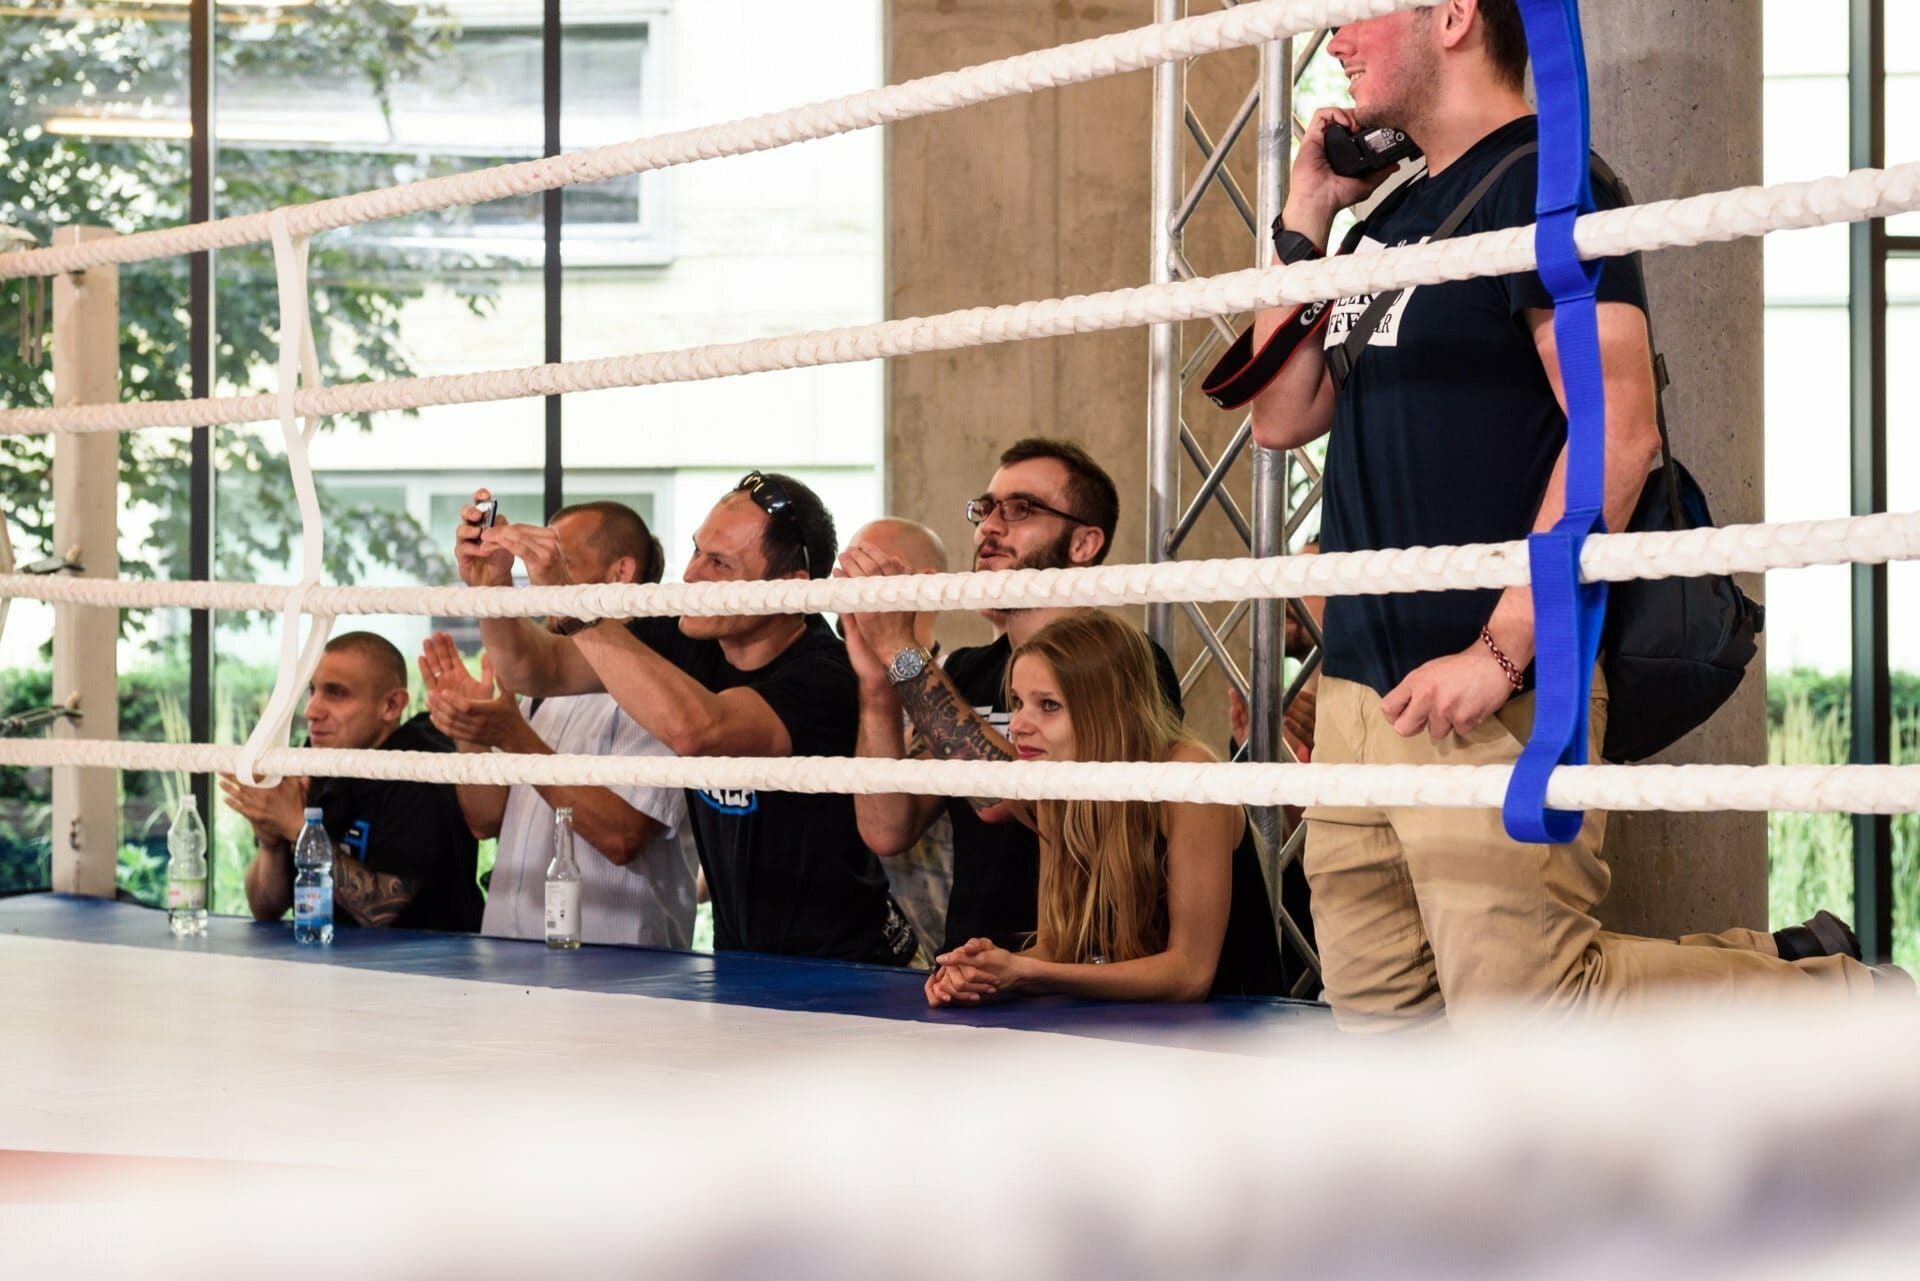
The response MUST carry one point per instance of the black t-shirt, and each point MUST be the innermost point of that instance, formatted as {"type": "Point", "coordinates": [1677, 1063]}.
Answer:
{"type": "Point", "coordinates": [787, 871]}
{"type": "Point", "coordinates": [1448, 430]}
{"type": "Point", "coordinates": [1250, 951]}
{"type": "Point", "coordinates": [415, 831]}
{"type": "Point", "coordinates": [996, 866]}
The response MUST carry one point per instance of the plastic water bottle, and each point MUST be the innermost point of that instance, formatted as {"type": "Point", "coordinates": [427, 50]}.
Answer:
{"type": "Point", "coordinates": [563, 885]}
{"type": "Point", "coordinates": [187, 871]}
{"type": "Point", "coordinates": [313, 883]}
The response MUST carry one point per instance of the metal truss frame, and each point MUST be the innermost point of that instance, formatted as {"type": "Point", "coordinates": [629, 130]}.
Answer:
{"type": "Point", "coordinates": [1270, 524]}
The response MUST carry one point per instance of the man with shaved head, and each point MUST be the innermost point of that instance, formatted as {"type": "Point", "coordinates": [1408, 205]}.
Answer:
{"type": "Point", "coordinates": [922, 873]}
{"type": "Point", "coordinates": [636, 873]}
{"type": "Point", "coordinates": [911, 545]}
{"type": "Point", "coordinates": [403, 854]}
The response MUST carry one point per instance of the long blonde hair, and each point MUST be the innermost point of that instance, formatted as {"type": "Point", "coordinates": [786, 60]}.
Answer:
{"type": "Point", "coordinates": [1103, 863]}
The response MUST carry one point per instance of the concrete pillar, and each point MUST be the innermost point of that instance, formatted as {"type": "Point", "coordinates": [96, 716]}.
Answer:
{"type": "Point", "coordinates": [1035, 196]}
{"type": "Point", "coordinates": [1676, 92]}
{"type": "Point", "coordinates": [1042, 195]}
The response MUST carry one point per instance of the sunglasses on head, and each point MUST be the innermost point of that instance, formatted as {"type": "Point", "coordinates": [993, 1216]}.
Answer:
{"type": "Point", "coordinates": [771, 497]}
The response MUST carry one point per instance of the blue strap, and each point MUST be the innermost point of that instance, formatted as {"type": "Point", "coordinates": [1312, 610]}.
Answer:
{"type": "Point", "coordinates": [1567, 615]}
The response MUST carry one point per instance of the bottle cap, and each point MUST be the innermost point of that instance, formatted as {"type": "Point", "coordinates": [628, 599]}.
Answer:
{"type": "Point", "coordinates": [314, 813]}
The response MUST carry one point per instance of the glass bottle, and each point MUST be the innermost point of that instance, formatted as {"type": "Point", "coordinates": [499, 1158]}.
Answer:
{"type": "Point", "coordinates": [563, 885]}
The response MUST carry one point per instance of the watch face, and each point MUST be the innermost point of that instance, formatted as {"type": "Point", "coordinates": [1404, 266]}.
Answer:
{"type": "Point", "coordinates": [907, 664]}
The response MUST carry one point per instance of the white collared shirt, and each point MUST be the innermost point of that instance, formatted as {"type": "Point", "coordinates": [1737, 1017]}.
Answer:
{"type": "Point", "coordinates": [649, 901]}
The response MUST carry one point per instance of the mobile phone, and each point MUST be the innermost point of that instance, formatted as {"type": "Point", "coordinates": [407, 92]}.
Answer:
{"type": "Point", "coordinates": [489, 509]}
{"type": "Point", "coordinates": [1366, 153]}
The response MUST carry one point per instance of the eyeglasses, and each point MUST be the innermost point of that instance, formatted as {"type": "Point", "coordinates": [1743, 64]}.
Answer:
{"type": "Point", "coordinates": [771, 497]}
{"type": "Point", "coordinates": [1014, 510]}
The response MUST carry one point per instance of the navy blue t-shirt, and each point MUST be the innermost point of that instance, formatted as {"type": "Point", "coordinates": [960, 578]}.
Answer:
{"type": "Point", "coordinates": [1447, 432]}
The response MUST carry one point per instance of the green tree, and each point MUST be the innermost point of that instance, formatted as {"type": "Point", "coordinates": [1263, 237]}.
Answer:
{"type": "Point", "coordinates": [57, 65]}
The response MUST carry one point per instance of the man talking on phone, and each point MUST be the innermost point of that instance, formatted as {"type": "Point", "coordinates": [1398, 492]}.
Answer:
{"type": "Point", "coordinates": [1448, 426]}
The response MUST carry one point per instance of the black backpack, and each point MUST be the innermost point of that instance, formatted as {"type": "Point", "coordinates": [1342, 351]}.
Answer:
{"type": "Point", "coordinates": [1673, 649]}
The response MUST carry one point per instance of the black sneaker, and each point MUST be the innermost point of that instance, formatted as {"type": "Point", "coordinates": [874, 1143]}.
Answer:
{"type": "Point", "coordinates": [1823, 934]}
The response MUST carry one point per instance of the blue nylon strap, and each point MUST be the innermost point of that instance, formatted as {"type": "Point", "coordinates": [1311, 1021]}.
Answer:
{"type": "Point", "coordinates": [1567, 615]}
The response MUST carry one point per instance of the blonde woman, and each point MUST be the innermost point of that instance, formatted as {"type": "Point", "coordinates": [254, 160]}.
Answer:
{"type": "Point", "coordinates": [1139, 901]}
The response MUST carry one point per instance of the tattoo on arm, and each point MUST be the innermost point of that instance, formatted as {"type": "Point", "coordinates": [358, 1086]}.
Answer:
{"type": "Point", "coordinates": [371, 898]}
{"type": "Point", "coordinates": [948, 729]}
{"type": "Point", "coordinates": [952, 729]}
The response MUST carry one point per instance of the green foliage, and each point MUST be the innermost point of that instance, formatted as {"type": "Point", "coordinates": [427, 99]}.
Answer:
{"type": "Point", "coordinates": [1811, 855]}
{"type": "Point", "coordinates": [142, 873]}
{"type": "Point", "coordinates": [129, 184]}
{"type": "Point", "coordinates": [152, 701]}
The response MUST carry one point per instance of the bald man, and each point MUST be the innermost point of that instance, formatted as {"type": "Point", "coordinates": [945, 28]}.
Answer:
{"type": "Point", "coordinates": [921, 874]}
{"type": "Point", "coordinates": [403, 854]}
{"type": "Point", "coordinates": [914, 546]}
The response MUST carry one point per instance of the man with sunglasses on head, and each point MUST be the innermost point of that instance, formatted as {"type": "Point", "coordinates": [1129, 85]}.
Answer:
{"type": "Point", "coordinates": [787, 871]}
{"type": "Point", "coordinates": [1049, 506]}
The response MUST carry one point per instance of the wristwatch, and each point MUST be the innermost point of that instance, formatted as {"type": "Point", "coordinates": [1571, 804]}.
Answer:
{"type": "Point", "coordinates": [908, 665]}
{"type": "Point", "coordinates": [568, 626]}
{"type": "Point", "coordinates": [1293, 246]}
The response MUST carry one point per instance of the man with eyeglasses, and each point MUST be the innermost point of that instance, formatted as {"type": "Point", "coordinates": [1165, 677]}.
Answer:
{"type": "Point", "coordinates": [787, 872]}
{"type": "Point", "coordinates": [1049, 506]}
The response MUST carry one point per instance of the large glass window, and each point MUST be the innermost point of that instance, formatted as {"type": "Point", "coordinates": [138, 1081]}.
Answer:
{"type": "Point", "coordinates": [781, 242]}
{"type": "Point", "coordinates": [333, 96]}
{"type": "Point", "coordinates": [84, 141]}
{"type": "Point", "coordinates": [1809, 621]}
{"type": "Point", "coordinates": [1903, 578]}
{"type": "Point", "coordinates": [438, 89]}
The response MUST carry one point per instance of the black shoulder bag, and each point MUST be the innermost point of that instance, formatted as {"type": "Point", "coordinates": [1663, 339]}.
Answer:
{"type": "Point", "coordinates": [1673, 649]}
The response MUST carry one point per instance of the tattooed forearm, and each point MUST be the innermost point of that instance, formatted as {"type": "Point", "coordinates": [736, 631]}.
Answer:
{"type": "Point", "coordinates": [371, 898]}
{"type": "Point", "coordinates": [953, 731]}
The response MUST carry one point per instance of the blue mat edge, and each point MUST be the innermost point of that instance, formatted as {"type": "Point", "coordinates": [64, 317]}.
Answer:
{"type": "Point", "coordinates": [752, 980]}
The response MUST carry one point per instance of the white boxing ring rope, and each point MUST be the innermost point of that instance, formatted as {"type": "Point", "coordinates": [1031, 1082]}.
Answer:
{"type": "Point", "coordinates": [1725, 549]}
{"type": "Point", "coordinates": [1697, 220]}
{"type": "Point", "coordinates": [1852, 789]}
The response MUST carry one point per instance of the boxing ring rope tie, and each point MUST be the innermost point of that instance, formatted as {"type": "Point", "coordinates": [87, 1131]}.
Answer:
{"type": "Point", "coordinates": [1696, 220]}
{"type": "Point", "coordinates": [1253, 23]}
{"type": "Point", "coordinates": [299, 362]}
{"type": "Point", "coordinates": [1873, 539]}
{"type": "Point", "coordinates": [1853, 789]}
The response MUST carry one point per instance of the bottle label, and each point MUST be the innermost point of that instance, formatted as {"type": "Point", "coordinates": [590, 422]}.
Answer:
{"type": "Point", "coordinates": [187, 896]}
{"type": "Point", "coordinates": [563, 909]}
{"type": "Point", "coordinates": [312, 904]}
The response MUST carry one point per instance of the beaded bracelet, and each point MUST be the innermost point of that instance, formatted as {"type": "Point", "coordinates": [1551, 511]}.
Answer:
{"type": "Point", "coordinates": [1506, 664]}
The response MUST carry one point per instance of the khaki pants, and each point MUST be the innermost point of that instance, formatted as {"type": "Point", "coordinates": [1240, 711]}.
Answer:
{"type": "Point", "coordinates": [1425, 912]}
